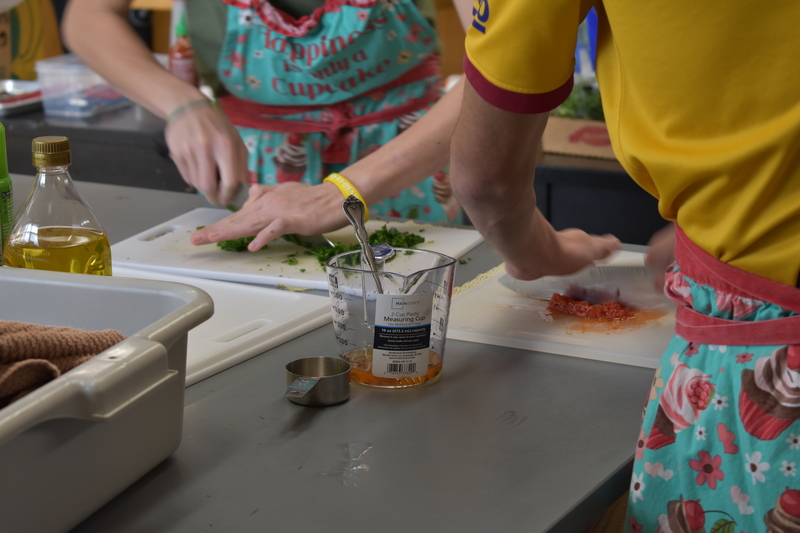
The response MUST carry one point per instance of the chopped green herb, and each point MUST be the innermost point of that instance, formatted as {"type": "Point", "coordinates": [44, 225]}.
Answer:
{"type": "Point", "coordinates": [324, 253]}
{"type": "Point", "coordinates": [236, 245]}
{"type": "Point", "coordinates": [385, 235]}
{"type": "Point", "coordinates": [395, 238]}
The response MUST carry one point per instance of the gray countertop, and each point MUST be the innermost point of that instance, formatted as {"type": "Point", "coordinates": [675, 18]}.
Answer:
{"type": "Point", "coordinates": [506, 440]}
{"type": "Point", "coordinates": [123, 211]}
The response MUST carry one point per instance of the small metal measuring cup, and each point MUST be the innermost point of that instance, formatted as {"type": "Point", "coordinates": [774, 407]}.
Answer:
{"type": "Point", "coordinates": [318, 381]}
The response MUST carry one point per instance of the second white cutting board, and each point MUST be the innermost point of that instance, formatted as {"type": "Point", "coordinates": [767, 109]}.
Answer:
{"type": "Point", "coordinates": [166, 248]}
{"type": "Point", "coordinates": [487, 312]}
{"type": "Point", "coordinates": [247, 321]}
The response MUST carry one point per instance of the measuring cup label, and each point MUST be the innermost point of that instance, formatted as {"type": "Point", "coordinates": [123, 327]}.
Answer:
{"type": "Point", "coordinates": [401, 346]}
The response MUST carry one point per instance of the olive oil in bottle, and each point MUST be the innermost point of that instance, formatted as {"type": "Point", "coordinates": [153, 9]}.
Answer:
{"type": "Point", "coordinates": [56, 229]}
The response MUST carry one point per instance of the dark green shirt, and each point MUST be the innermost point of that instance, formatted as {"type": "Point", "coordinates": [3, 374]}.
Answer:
{"type": "Point", "coordinates": [206, 20]}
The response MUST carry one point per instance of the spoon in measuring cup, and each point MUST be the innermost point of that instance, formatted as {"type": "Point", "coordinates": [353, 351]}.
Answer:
{"type": "Point", "coordinates": [354, 211]}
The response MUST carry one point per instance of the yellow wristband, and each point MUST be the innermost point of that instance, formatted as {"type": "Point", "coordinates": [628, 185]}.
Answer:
{"type": "Point", "coordinates": [347, 189]}
{"type": "Point", "coordinates": [182, 109]}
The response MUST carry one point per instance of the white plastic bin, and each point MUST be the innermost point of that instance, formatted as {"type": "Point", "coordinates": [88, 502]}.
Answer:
{"type": "Point", "coordinates": [73, 444]}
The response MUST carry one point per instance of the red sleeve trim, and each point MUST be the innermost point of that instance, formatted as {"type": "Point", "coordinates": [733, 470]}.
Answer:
{"type": "Point", "coordinates": [513, 101]}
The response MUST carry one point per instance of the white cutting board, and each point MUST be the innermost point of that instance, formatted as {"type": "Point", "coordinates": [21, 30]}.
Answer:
{"type": "Point", "coordinates": [247, 321]}
{"type": "Point", "coordinates": [166, 248]}
{"type": "Point", "coordinates": [487, 312]}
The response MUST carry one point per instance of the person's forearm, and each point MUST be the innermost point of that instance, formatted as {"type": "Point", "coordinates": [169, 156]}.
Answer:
{"type": "Point", "coordinates": [419, 152]}
{"type": "Point", "coordinates": [98, 32]}
{"type": "Point", "coordinates": [492, 170]}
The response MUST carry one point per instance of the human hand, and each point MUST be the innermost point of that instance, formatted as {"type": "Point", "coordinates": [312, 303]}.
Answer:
{"type": "Point", "coordinates": [274, 210]}
{"type": "Point", "coordinates": [569, 251]}
{"type": "Point", "coordinates": [208, 152]}
{"type": "Point", "coordinates": [660, 254]}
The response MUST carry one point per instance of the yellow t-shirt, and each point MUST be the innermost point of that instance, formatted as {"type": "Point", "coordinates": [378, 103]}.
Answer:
{"type": "Point", "coordinates": [702, 102]}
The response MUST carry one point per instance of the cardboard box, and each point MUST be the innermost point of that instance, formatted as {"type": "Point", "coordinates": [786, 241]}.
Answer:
{"type": "Point", "coordinates": [573, 142]}
{"type": "Point", "coordinates": [73, 444]}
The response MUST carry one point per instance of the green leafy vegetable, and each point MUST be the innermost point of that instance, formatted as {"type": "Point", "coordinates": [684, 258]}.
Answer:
{"type": "Point", "coordinates": [324, 253]}
{"type": "Point", "coordinates": [385, 235]}
{"type": "Point", "coordinates": [236, 245]}
{"type": "Point", "coordinates": [583, 102]}
{"type": "Point", "coordinates": [395, 238]}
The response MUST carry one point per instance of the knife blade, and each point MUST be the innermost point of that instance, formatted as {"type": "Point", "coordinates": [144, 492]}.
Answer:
{"type": "Point", "coordinates": [311, 242]}
{"type": "Point", "coordinates": [239, 199]}
{"type": "Point", "coordinates": [629, 285]}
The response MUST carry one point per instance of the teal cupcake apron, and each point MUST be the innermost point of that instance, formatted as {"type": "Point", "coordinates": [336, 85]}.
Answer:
{"type": "Point", "coordinates": [310, 96]}
{"type": "Point", "coordinates": [719, 447]}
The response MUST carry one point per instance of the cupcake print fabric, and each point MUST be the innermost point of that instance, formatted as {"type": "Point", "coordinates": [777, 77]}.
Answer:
{"type": "Point", "coordinates": [311, 96]}
{"type": "Point", "coordinates": [719, 447]}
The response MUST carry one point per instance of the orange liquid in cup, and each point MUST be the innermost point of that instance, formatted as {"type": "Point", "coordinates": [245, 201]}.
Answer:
{"type": "Point", "coordinates": [361, 370]}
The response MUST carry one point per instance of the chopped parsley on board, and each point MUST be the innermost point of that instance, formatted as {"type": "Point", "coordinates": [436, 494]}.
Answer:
{"type": "Point", "coordinates": [385, 235]}
{"type": "Point", "coordinates": [236, 245]}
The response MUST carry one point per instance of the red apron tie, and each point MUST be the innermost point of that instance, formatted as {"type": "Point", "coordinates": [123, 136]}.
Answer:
{"type": "Point", "coordinates": [702, 267]}
{"type": "Point", "coordinates": [339, 120]}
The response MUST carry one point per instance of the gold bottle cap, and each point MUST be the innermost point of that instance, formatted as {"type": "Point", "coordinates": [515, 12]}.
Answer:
{"type": "Point", "coordinates": [51, 151]}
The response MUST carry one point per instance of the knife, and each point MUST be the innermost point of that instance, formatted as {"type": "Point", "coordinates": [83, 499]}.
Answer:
{"type": "Point", "coordinates": [629, 285]}
{"type": "Point", "coordinates": [311, 242]}
{"type": "Point", "coordinates": [239, 199]}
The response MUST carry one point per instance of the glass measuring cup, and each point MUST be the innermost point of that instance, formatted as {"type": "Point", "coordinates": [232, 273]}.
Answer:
{"type": "Point", "coordinates": [392, 337]}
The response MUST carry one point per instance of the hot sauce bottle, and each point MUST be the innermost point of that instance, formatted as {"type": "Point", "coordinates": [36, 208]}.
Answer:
{"type": "Point", "coordinates": [181, 55]}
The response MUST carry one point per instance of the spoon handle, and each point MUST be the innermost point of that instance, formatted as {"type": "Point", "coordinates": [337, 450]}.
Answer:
{"type": "Point", "coordinates": [354, 211]}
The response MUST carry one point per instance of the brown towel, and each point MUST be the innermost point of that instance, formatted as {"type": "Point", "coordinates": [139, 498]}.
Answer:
{"type": "Point", "coordinates": [31, 355]}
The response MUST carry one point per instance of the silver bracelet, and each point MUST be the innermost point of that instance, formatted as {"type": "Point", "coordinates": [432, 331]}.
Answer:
{"type": "Point", "coordinates": [182, 109]}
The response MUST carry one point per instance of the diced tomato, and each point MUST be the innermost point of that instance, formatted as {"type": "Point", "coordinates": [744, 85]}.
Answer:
{"type": "Point", "coordinates": [606, 310]}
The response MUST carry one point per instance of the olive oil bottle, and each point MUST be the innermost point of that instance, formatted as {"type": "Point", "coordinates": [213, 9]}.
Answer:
{"type": "Point", "coordinates": [55, 228]}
